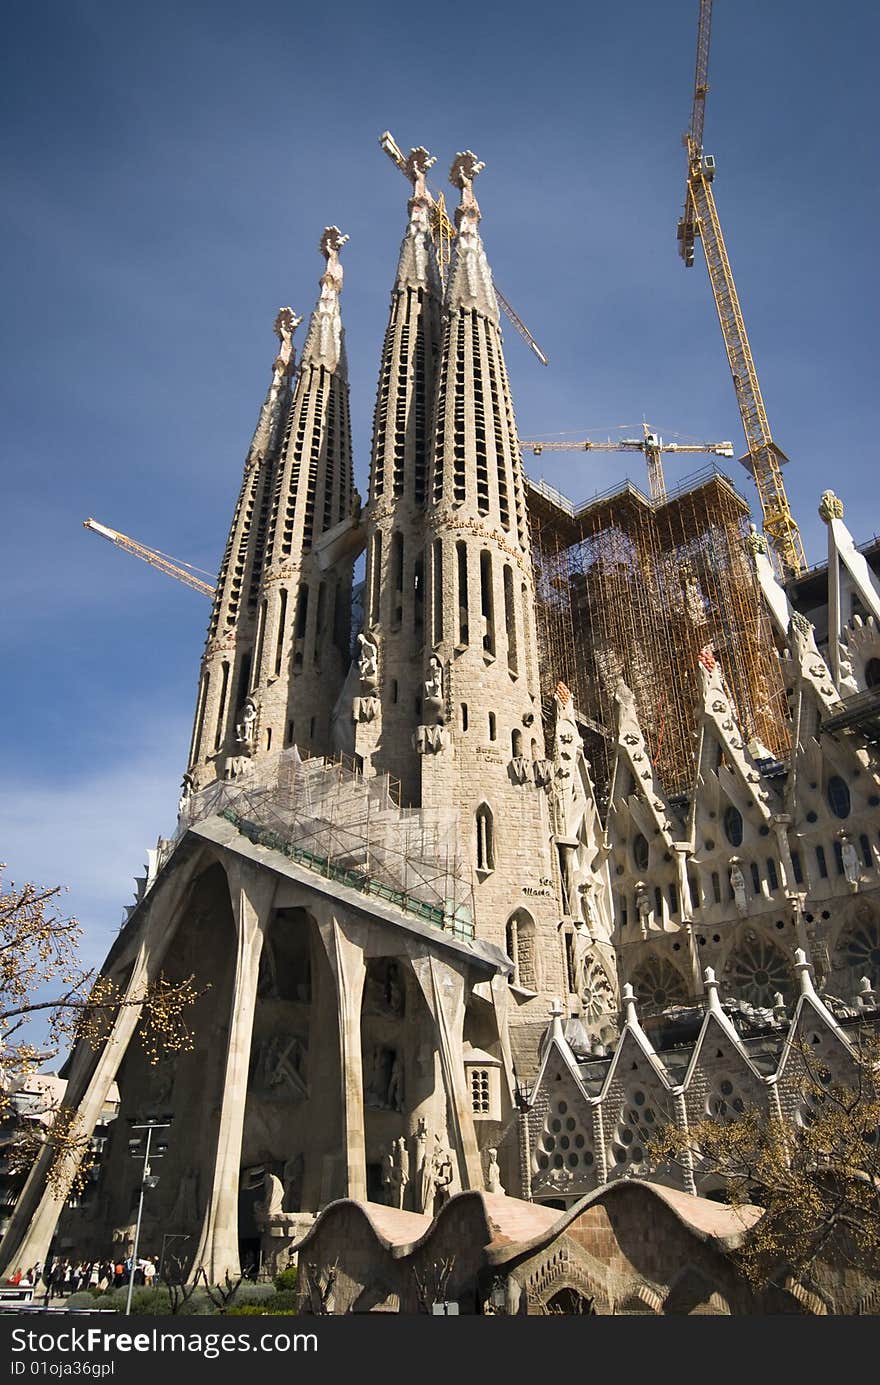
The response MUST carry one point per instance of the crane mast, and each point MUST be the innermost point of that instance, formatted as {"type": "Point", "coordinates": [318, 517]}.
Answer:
{"type": "Point", "coordinates": [764, 458]}
{"type": "Point", "coordinates": [181, 572]}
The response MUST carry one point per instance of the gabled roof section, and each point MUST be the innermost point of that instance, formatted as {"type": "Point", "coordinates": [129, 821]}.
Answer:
{"type": "Point", "coordinates": [633, 1035]}
{"type": "Point", "coordinates": [632, 754]}
{"type": "Point", "coordinates": [716, 1022]}
{"type": "Point", "coordinates": [811, 1009]}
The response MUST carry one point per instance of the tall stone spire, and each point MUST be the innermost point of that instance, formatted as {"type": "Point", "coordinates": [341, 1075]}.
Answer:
{"type": "Point", "coordinates": [304, 615]}
{"type": "Point", "coordinates": [480, 734]}
{"type": "Point", "coordinates": [395, 575]}
{"type": "Point", "coordinates": [227, 661]}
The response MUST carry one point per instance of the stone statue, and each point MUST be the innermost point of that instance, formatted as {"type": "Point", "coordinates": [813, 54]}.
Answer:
{"type": "Point", "coordinates": [423, 1170]}
{"type": "Point", "coordinates": [442, 1173]}
{"type": "Point", "coordinates": [643, 906]}
{"type": "Point", "coordinates": [738, 885]}
{"type": "Point", "coordinates": [493, 1174]}
{"type": "Point", "coordinates": [851, 867]}
{"type": "Point", "coordinates": [186, 793]}
{"type": "Point", "coordinates": [434, 684]}
{"type": "Point", "coordinates": [399, 1174]}
{"type": "Point", "coordinates": [244, 727]}
{"type": "Point", "coordinates": [273, 1202]}
{"type": "Point", "coordinates": [368, 660]}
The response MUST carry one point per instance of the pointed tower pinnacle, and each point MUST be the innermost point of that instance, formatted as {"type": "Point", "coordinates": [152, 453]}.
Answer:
{"type": "Point", "coordinates": [302, 642]}
{"type": "Point", "coordinates": [470, 278]}
{"type": "Point", "coordinates": [227, 662]}
{"type": "Point", "coordinates": [394, 604]}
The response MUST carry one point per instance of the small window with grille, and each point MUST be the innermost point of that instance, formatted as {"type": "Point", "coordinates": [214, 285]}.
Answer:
{"type": "Point", "coordinates": [480, 1091]}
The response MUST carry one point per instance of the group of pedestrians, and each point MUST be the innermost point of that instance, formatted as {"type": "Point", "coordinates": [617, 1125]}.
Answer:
{"type": "Point", "coordinates": [64, 1277]}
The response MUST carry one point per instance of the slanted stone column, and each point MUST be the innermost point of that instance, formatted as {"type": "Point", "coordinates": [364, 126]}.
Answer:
{"type": "Point", "coordinates": [347, 962]}
{"type": "Point", "coordinates": [42, 1199]}
{"type": "Point", "coordinates": [252, 891]}
{"type": "Point", "coordinates": [443, 989]}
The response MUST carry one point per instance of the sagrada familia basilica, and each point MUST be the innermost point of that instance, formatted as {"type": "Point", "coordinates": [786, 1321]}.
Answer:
{"type": "Point", "coordinates": [572, 833]}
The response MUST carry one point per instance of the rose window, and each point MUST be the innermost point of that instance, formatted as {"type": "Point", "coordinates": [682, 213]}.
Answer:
{"type": "Point", "coordinates": [757, 971]}
{"type": "Point", "coordinates": [658, 984]}
{"type": "Point", "coordinates": [860, 951]}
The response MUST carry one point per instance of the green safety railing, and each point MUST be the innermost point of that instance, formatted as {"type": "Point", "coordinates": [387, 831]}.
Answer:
{"type": "Point", "coordinates": [344, 875]}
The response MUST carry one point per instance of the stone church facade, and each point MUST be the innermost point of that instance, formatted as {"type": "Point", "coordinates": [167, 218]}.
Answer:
{"type": "Point", "coordinates": [391, 866]}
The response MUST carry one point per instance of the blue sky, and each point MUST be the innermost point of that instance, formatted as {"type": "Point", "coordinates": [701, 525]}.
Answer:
{"type": "Point", "coordinates": [167, 171]}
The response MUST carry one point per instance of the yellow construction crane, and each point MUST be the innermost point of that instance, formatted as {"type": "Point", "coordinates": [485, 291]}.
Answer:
{"type": "Point", "coordinates": [652, 445]}
{"type": "Point", "coordinates": [764, 459]}
{"type": "Point", "coordinates": [444, 235]}
{"type": "Point", "coordinates": [183, 572]}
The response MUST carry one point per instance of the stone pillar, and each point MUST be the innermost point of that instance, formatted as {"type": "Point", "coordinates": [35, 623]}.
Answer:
{"type": "Point", "coordinates": [443, 989]}
{"type": "Point", "coordinates": [687, 1158]}
{"type": "Point", "coordinates": [348, 964]}
{"type": "Point", "coordinates": [686, 904]}
{"type": "Point", "coordinates": [781, 824]}
{"type": "Point", "coordinates": [32, 1226]}
{"type": "Point", "coordinates": [252, 891]}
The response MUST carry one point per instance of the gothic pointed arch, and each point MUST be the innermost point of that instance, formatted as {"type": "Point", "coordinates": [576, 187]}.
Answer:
{"type": "Point", "coordinates": [521, 943]}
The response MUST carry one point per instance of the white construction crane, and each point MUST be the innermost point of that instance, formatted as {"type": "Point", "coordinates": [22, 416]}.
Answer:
{"type": "Point", "coordinates": [652, 445]}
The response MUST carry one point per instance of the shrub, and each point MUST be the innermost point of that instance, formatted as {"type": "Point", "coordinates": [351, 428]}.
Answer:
{"type": "Point", "coordinates": [286, 1279]}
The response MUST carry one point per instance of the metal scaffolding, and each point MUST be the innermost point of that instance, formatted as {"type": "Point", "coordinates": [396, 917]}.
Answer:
{"type": "Point", "coordinates": [634, 589]}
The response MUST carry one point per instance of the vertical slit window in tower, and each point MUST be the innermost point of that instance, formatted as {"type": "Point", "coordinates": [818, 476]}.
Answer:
{"type": "Point", "coordinates": [396, 579]}
{"type": "Point", "coordinates": [464, 716]}
{"type": "Point", "coordinates": [320, 615]}
{"type": "Point", "coordinates": [570, 973]}
{"type": "Point", "coordinates": [437, 589]}
{"type": "Point", "coordinates": [419, 408]}
{"type": "Point", "coordinates": [838, 857]}
{"type": "Point", "coordinates": [346, 477]}
{"type": "Point", "coordinates": [481, 455]}
{"type": "Point", "coordinates": [756, 878]}
{"type": "Point", "coordinates": [493, 727]}
{"type": "Point", "coordinates": [461, 563]}
{"type": "Point", "coordinates": [289, 740]}
{"type": "Point", "coordinates": [516, 743]}
{"type": "Point", "coordinates": [658, 903]}
{"type": "Point", "coordinates": [244, 679]}
{"type": "Point", "coordinates": [622, 909]}
{"type": "Point", "coordinates": [485, 842]}
{"type": "Point", "coordinates": [419, 597]}
{"type": "Point", "coordinates": [498, 429]}
{"type": "Point", "coordinates": [716, 887]}
{"type": "Point", "coordinates": [772, 874]}
{"type": "Point", "coordinates": [380, 430]}
{"type": "Point", "coordinates": [302, 616]}
{"type": "Point", "coordinates": [866, 851]}
{"type": "Point", "coordinates": [673, 898]}
{"type": "Point", "coordinates": [510, 620]}
{"type": "Point", "coordinates": [512, 948]}
{"type": "Point", "coordinates": [261, 632]}
{"type": "Point", "coordinates": [289, 500]}
{"type": "Point", "coordinates": [268, 737]}
{"type": "Point", "coordinates": [694, 888]}
{"type": "Point", "coordinates": [563, 880]}
{"type": "Point", "coordinates": [221, 710]}
{"type": "Point", "coordinates": [198, 727]}
{"type": "Point", "coordinates": [329, 477]}
{"type": "Point", "coordinates": [401, 400]}
{"type": "Point", "coordinates": [315, 455]}
{"type": "Point", "coordinates": [394, 691]}
{"type": "Point", "coordinates": [282, 621]}
{"type": "Point", "coordinates": [260, 542]}
{"type": "Point", "coordinates": [440, 427]}
{"type": "Point", "coordinates": [375, 580]}
{"type": "Point", "coordinates": [821, 862]}
{"type": "Point", "coordinates": [459, 485]}
{"type": "Point", "coordinates": [487, 602]}
{"type": "Point", "coordinates": [798, 867]}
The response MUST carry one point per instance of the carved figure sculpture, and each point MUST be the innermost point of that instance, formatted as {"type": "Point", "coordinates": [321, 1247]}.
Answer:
{"type": "Point", "coordinates": [368, 660]}
{"type": "Point", "coordinates": [186, 791]}
{"type": "Point", "coordinates": [493, 1174]}
{"type": "Point", "coordinates": [580, 946]}
{"type": "Point", "coordinates": [442, 1173]}
{"type": "Point", "coordinates": [399, 1174]}
{"type": "Point", "coordinates": [643, 906]}
{"type": "Point", "coordinates": [244, 727]}
{"type": "Point", "coordinates": [273, 1201]}
{"type": "Point", "coordinates": [388, 1176]}
{"type": "Point", "coordinates": [849, 856]}
{"type": "Point", "coordinates": [434, 684]}
{"type": "Point", "coordinates": [738, 885]}
{"type": "Point", "coordinates": [423, 1168]}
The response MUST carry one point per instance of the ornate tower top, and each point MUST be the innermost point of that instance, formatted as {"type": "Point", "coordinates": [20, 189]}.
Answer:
{"type": "Point", "coordinates": [416, 168]}
{"type": "Point", "coordinates": [470, 278]}
{"type": "Point", "coordinates": [325, 343]}
{"type": "Point", "coordinates": [286, 324]}
{"type": "Point", "coordinates": [465, 168]}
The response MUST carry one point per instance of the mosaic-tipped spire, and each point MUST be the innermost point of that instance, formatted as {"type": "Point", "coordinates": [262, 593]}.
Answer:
{"type": "Point", "coordinates": [272, 414]}
{"type": "Point", "coordinates": [470, 278]}
{"type": "Point", "coordinates": [325, 343]}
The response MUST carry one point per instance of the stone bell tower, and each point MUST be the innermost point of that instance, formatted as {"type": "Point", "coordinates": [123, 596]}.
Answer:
{"type": "Point", "coordinates": [479, 734]}
{"type": "Point", "coordinates": [392, 648]}
{"type": "Point", "coordinates": [228, 659]}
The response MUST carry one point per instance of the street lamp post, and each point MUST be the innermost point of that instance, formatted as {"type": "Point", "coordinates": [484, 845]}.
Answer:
{"type": "Point", "coordinates": [148, 1180]}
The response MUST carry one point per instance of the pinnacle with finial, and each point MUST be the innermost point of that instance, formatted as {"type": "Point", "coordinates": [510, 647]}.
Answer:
{"type": "Point", "coordinates": [465, 168]}
{"type": "Point", "coordinates": [285, 325]}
